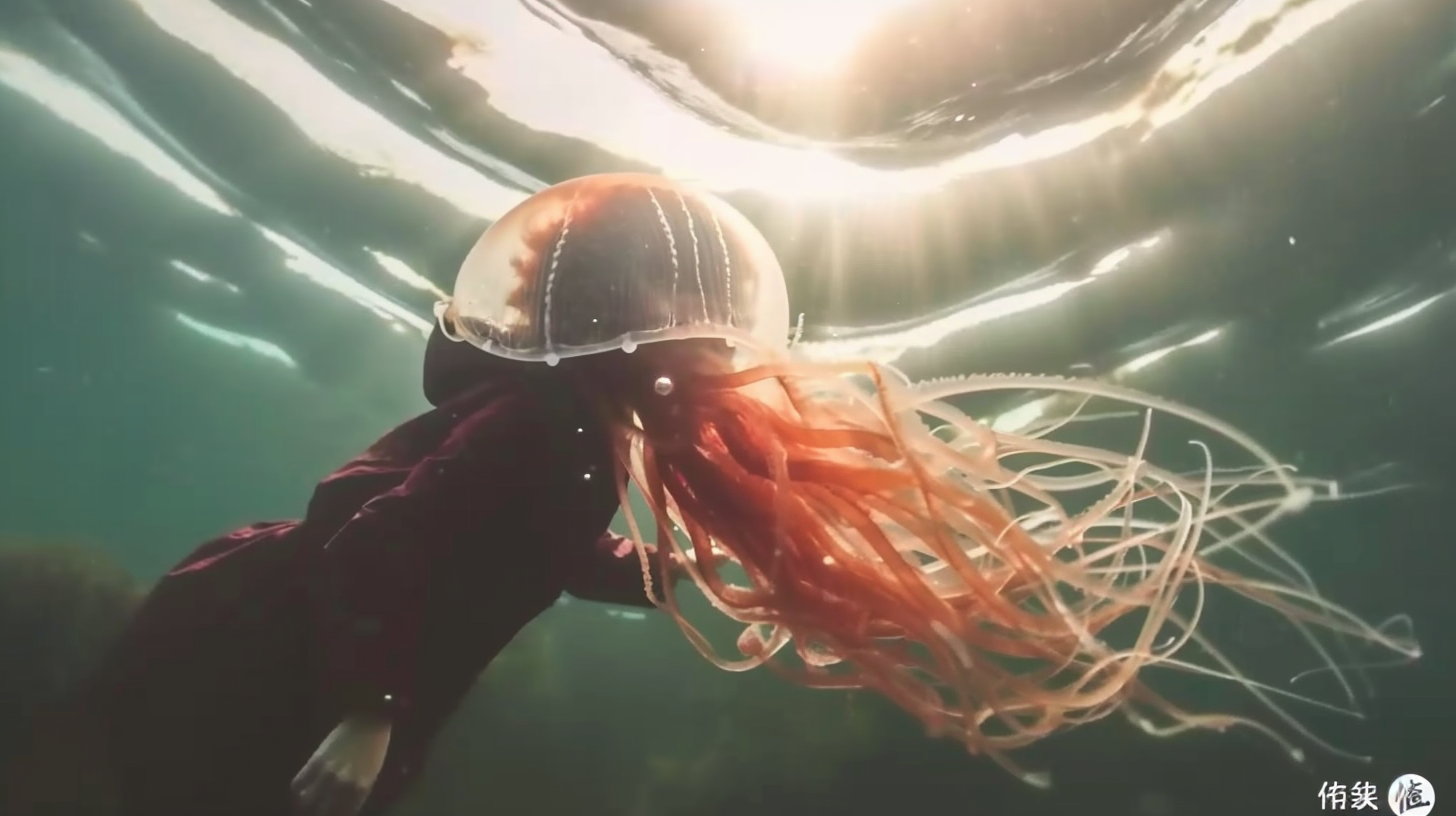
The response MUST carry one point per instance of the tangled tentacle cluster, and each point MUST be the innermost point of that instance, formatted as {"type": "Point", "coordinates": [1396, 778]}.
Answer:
{"type": "Point", "coordinates": [1000, 585]}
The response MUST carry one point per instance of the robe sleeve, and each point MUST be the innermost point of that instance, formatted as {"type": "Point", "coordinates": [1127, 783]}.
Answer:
{"type": "Point", "coordinates": [375, 572]}
{"type": "Point", "coordinates": [611, 572]}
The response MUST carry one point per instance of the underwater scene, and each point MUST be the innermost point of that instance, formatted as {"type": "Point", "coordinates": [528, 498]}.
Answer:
{"type": "Point", "coordinates": [1015, 406]}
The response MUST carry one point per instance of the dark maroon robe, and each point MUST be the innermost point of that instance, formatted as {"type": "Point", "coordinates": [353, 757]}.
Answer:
{"type": "Point", "coordinates": [415, 565]}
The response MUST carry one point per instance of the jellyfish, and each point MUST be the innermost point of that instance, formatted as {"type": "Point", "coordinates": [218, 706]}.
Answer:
{"type": "Point", "coordinates": [998, 583]}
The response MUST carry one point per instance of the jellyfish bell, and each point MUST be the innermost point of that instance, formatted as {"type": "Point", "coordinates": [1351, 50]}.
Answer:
{"type": "Point", "coordinates": [612, 262]}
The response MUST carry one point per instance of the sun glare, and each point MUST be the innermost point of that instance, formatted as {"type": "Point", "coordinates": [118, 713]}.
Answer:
{"type": "Point", "coordinates": [805, 36]}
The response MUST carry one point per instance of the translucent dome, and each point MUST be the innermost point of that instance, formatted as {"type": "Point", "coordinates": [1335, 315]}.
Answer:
{"type": "Point", "coordinates": [611, 262]}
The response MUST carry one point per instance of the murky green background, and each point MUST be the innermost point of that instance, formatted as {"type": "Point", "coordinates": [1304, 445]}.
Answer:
{"type": "Point", "coordinates": [221, 222]}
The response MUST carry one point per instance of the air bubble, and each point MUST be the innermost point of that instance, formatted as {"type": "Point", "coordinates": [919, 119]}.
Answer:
{"type": "Point", "coordinates": [1037, 779]}
{"type": "Point", "coordinates": [663, 386]}
{"type": "Point", "coordinates": [1298, 500]}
